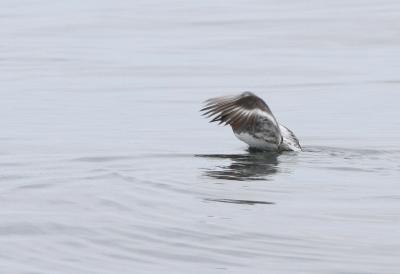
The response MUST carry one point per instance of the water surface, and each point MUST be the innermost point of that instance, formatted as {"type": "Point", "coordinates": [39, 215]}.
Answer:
{"type": "Point", "coordinates": [106, 165]}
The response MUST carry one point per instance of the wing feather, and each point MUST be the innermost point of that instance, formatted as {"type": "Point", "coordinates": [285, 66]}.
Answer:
{"type": "Point", "coordinates": [242, 111]}
{"type": "Point", "coordinates": [251, 120]}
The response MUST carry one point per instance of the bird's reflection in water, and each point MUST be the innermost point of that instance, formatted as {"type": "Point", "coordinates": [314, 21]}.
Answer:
{"type": "Point", "coordinates": [253, 165]}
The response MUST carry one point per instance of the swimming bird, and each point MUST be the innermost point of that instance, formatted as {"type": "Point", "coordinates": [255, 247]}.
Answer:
{"type": "Point", "coordinates": [252, 122]}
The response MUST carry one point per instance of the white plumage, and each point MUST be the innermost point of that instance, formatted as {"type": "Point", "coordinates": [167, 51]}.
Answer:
{"type": "Point", "coordinates": [252, 122]}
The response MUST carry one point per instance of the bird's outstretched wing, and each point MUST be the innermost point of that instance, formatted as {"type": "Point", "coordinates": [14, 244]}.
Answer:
{"type": "Point", "coordinates": [243, 112]}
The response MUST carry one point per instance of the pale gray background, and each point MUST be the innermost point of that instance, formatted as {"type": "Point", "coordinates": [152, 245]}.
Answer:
{"type": "Point", "coordinates": [99, 126]}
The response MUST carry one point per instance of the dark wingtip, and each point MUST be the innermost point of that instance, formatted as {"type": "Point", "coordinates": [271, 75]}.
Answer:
{"type": "Point", "coordinates": [212, 108]}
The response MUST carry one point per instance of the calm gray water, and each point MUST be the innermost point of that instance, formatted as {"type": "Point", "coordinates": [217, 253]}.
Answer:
{"type": "Point", "coordinates": [106, 166]}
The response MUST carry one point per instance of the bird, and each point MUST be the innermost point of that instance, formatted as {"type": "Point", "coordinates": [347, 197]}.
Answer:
{"type": "Point", "coordinates": [252, 122]}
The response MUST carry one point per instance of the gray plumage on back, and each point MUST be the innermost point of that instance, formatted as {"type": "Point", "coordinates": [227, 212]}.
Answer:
{"type": "Point", "coordinates": [252, 121]}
